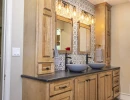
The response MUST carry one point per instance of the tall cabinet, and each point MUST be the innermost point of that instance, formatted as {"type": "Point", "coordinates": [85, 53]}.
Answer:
{"type": "Point", "coordinates": [39, 37]}
{"type": "Point", "coordinates": [103, 29]}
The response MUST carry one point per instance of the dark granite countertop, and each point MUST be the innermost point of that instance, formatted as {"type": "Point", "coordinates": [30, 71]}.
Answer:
{"type": "Point", "coordinates": [58, 75]}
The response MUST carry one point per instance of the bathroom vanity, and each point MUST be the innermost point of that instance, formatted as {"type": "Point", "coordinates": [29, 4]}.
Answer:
{"type": "Point", "coordinates": [92, 84]}
{"type": "Point", "coordinates": [42, 33]}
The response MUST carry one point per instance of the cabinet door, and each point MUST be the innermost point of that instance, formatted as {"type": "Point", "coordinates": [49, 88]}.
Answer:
{"type": "Point", "coordinates": [45, 36]}
{"type": "Point", "coordinates": [46, 30]}
{"type": "Point", "coordinates": [82, 88]}
{"type": "Point", "coordinates": [101, 86]}
{"type": "Point", "coordinates": [108, 85]}
{"type": "Point", "coordinates": [63, 96]}
{"type": "Point", "coordinates": [93, 87]}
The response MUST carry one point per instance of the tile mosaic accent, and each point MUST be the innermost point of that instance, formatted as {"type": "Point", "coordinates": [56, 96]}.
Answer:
{"type": "Point", "coordinates": [76, 58]}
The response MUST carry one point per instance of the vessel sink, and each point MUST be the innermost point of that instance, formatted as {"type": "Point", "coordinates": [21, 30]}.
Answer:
{"type": "Point", "coordinates": [97, 65]}
{"type": "Point", "coordinates": [77, 67]}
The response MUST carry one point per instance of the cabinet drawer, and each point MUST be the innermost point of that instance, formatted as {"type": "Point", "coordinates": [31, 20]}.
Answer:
{"type": "Point", "coordinates": [45, 68]}
{"type": "Point", "coordinates": [116, 72]}
{"type": "Point", "coordinates": [63, 96]}
{"type": "Point", "coordinates": [60, 87]}
{"type": "Point", "coordinates": [116, 91]}
{"type": "Point", "coordinates": [116, 81]}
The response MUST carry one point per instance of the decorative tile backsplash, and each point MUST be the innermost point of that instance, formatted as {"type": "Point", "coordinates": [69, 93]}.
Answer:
{"type": "Point", "coordinates": [76, 58]}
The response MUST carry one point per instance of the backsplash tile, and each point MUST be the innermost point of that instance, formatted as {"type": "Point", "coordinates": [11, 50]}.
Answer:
{"type": "Point", "coordinates": [76, 58]}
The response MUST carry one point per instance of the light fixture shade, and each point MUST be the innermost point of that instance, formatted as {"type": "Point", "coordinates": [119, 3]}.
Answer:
{"type": "Point", "coordinates": [74, 11]}
{"type": "Point", "coordinates": [59, 4]}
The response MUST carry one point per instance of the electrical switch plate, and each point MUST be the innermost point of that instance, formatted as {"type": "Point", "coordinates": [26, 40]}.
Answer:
{"type": "Point", "coordinates": [15, 52]}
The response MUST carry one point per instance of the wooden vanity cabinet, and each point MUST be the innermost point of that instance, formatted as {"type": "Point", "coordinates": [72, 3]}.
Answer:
{"type": "Point", "coordinates": [103, 29]}
{"type": "Point", "coordinates": [116, 83]}
{"type": "Point", "coordinates": [39, 37]}
{"type": "Point", "coordinates": [105, 85]}
{"type": "Point", "coordinates": [86, 87]}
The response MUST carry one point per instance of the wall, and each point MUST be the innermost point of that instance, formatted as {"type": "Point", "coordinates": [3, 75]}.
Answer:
{"type": "Point", "coordinates": [120, 43]}
{"type": "Point", "coordinates": [76, 58]}
{"type": "Point", "coordinates": [17, 41]}
{"type": "Point", "coordinates": [0, 13]}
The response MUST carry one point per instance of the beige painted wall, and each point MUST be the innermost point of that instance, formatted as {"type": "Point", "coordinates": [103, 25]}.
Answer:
{"type": "Point", "coordinates": [121, 43]}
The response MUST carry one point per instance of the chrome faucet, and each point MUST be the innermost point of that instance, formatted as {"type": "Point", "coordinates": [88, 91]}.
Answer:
{"type": "Point", "coordinates": [66, 61]}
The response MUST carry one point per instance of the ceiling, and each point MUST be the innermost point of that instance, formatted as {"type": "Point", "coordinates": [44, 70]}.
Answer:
{"type": "Point", "coordinates": [111, 2]}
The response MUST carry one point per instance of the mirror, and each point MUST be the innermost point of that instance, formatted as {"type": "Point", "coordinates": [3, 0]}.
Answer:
{"type": "Point", "coordinates": [84, 39]}
{"type": "Point", "coordinates": [64, 34]}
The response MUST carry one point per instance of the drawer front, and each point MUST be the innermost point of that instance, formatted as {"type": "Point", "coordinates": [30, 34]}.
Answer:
{"type": "Point", "coordinates": [116, 91]}
{"type": "Point", "coordinates": [63, 96]}
{"type": "Point", "coordinates": [45, 68]}
{"type": "Point", "coordinates": [116, 72]}
{"type": "Point", "coordinates": [60, 87]}
{"type": "Point", "coordinates": [116, 81]}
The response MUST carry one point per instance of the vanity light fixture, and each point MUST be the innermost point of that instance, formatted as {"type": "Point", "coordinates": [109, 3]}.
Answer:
{"type": "Point", "coordinates": [83, 16]}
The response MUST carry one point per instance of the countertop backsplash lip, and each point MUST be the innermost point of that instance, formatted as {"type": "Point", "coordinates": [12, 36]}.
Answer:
{"type": "Point", "coordinates": [76, 58]}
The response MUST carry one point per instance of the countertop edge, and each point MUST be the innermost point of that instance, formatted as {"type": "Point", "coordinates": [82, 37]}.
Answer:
{"type": "Point", "coordinates": [51, 80]}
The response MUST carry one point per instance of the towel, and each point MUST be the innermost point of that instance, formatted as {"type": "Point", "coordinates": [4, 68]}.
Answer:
{"type": "Point", "coordinates": [99, 55]}
{"type": "Point", "coordinates": [56, 58]}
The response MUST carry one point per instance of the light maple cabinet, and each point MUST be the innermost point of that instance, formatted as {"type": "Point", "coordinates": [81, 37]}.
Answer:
{"type": "Point", "coordinates": [105, 86]}
{"type": "Point", "coordinates": [39, 37]}
{"type": "Point", "coordinates": [116, 83]}
{"type": "Point", "coordinates": [98, 86]}
{"type": "Point", "coordinates": [86, 88]}
{"type": "Point", "coordinates": [103, 29]}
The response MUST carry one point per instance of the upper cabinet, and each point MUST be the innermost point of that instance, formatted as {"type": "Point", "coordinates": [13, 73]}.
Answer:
{"type": "Point", "coordinates": [39, 37]}
{"type": "Point", "coordinates": [103, 30]}
{"type": "Point", "coordinates": [64, 34]}
{"type": "Point", "coordinates": [45, 36]}
{"type": "Point", "coordinates": [84, 38]}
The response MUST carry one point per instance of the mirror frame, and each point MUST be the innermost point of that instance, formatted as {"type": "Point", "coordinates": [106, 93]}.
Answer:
{"type": "Point", "coordinates": [87, 27]}
{"type": "Point", "coordinates": [61, 18]}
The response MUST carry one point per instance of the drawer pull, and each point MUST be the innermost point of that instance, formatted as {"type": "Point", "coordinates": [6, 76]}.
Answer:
{"type": "Point", "coordinates": [117, 81]}
{"type": "Point", "coordinates": [117, 91]}
{"type": "Point", "coordinates": [106, 75]}
{"type": "Point", "coordinates": [47, 68]}
{"type": "Point", "coordinates": [63, 87]}
{"type": "Point", "coordinates": [117, 73]}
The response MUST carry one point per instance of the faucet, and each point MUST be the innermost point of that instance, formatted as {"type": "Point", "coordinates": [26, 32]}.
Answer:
{"type": "Point", "coordinates": [87, 58]}
{"type": "Point", "coordinates": [66, 61]}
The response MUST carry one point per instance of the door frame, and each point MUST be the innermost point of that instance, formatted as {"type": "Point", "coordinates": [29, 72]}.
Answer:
{"type": "Point", "coordinates": [6, 48]}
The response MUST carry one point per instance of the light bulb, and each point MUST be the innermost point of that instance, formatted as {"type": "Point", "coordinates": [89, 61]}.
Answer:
{"type": "Point", "coordinates": [82, 16]}
{"type": "Point", "coordinates": [67, 8]}
{"type": "Point", "coordinates": [92, 21]}
{"type": "Point", "coordinates": [74, 11]}
{"type": "Point", "coordinates": [59, 4]}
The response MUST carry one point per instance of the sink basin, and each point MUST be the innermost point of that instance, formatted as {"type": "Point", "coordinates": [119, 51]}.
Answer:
{"type": "Point", "coordinates": [77, 67]}
{"type": "Point", "coordinates": [97, 65]}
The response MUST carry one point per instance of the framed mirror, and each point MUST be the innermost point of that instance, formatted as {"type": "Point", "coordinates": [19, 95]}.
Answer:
{"type": "Point", "coordinates": [84, 38]}
{"type": "Point", "coordinates": [64, 34]}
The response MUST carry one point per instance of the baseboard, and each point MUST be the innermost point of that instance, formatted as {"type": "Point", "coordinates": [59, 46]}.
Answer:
{"type": "Point", "coordinates": [124, 96]}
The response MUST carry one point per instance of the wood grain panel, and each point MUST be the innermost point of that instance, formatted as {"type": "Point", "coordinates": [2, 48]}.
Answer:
{"type": "Point", "coordinates": [63, 96]}
{"type": "Point", "coordinates": [108, 84]}
{"type": "Point", "coordinates": [46, 44]}
{"type": "Point", "coordinates": [93, 87]}
{"type": "Point", "coordinates": [101, 86]}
